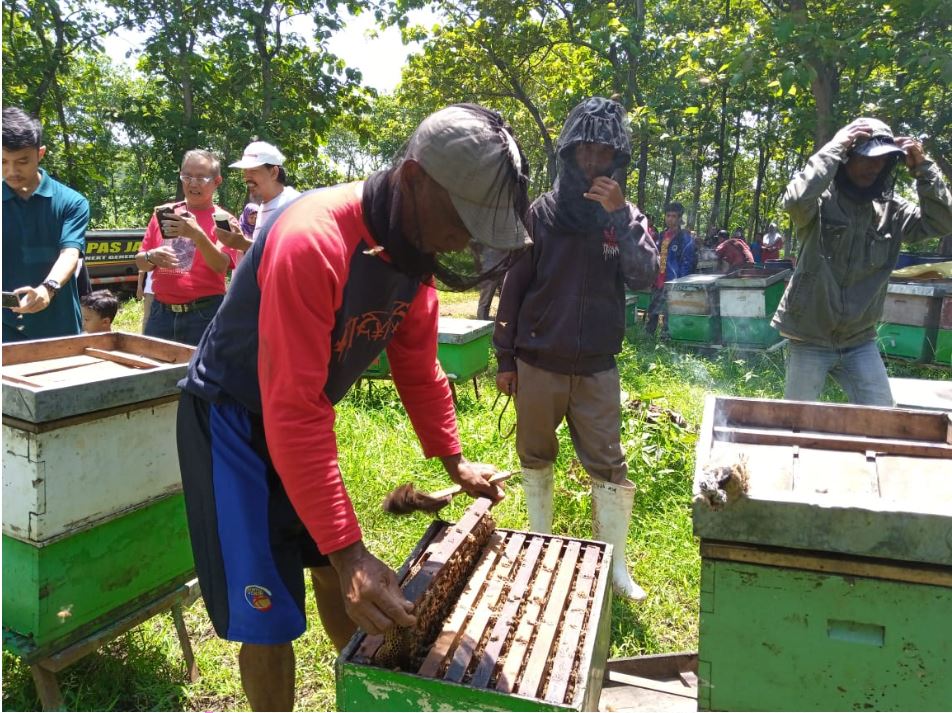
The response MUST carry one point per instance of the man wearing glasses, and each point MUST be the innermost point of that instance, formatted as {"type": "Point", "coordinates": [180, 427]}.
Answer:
{"type": "Point", "coordinates": [189, 262]}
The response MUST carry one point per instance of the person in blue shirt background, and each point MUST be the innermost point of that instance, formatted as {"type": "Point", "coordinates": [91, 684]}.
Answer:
{"type": "Point", "coordinates": [44, 235]}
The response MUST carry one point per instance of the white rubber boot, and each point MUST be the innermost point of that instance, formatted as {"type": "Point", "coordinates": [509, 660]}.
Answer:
{"type": "Point", "coordinates": [611, 515]}
{"type": "Point", "coordinates": [537, 485]}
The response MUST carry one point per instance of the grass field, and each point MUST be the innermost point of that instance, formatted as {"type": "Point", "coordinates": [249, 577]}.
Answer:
{"type": "Point", "coordinates": [143, 670]}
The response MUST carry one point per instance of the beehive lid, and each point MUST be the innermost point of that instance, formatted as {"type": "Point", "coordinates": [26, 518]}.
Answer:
{"type": "Point", "coordinates": [694, 282]}
{"type": "Point", "coordinates": [754, 278]}
{"type": "Point", "coordinates": [454, 330]}
{"type": "Point", "coordinates": [937, 288]}
{"type": "Point", "coordinates": [49, 379]}
{"type": "Point", "coordinates": [856, 480]}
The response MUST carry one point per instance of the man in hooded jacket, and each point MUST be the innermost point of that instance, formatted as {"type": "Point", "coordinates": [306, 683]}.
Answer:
{"type": "Point", "coordinates": [561, 321]}
{"type": "Point", "coordinates": [850, 227]}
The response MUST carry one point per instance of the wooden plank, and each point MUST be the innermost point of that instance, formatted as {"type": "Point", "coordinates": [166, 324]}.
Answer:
{"type": "Point", "coordinates": [515, 656]}
{"type": "Point", "coordinates": [912, 480]}
{"type": "Point", "coordinates": [368, 648]}
{"type": "Point", "coordinates": [47, 688]}
{"type": "Point", "coordinates": [448, 637]}
{"type": "Point", "coordinates": [61, 659]}
{"type": "Point", "coordinates": [572, 623]}
{"type": "Point", "coordinates": [674, 687]}
{"type": "Point", "coordinates": [808, 439]}
{"type": "Point", "coordinates": [484, 609]}
{"type": "Point", "coordinates": [841, 419]}
{"type": "Point", "coordinates": [504, 622]}
{"type": "Point", "coordinates": [31, 427]}
{"type": "Point", "coordinates": [655, 665]}
{"type": "Point", "coordinates": [20, 380]}
{"type": "Point", "coordinates": [58, 347]}
{"type": "Point", "coordinates": [185, 642]}
{"type": "Point", "coordinates": [826, 563]}
{"type": "Point", "coordinates": [31, 367]}
{"type": "Point", "coordinates": [133, 360]}
{"type": "Point", "coordinates": [835, 473]}
{"type": "Point", "coordinates": [441, 550]}
{"type": "Point", "coordinates": [551, 617]}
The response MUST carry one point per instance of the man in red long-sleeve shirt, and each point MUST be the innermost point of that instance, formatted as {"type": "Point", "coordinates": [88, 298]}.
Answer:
{"type": "Point", "coordinates": [339, 275]}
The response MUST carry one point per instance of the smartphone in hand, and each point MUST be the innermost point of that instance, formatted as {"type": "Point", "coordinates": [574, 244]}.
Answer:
{"type": "Point", "coordinates": [11, 300]}
{"type": "Point", "coordinates": [162, 213]}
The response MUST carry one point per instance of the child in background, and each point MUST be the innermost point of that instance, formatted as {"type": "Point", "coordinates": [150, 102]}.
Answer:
{"type": "Point", "coordinates": [99, 309]}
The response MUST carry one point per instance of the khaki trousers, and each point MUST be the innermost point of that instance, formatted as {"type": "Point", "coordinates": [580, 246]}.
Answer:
{"type": "Point", "coordinates": [591, 407]}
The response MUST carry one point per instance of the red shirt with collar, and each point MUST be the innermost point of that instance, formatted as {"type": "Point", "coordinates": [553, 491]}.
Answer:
{"type": "Point", "coordinates": [173, 286]}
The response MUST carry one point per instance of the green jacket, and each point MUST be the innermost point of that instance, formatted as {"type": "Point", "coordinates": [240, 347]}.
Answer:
{"type": "Point", "coordinates": [848, 250]}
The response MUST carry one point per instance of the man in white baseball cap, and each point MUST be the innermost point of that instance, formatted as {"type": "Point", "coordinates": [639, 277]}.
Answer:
{"type": "Point", "coordinates": [262, 167]}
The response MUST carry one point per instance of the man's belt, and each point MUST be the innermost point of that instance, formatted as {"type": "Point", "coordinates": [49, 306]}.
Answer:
{"type": "Point", "coordinates": [189, 306]}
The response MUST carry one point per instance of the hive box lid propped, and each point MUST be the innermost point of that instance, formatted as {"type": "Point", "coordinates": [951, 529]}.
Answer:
{"type": "Point", "coordinates": [856, 480]}
{"type": "Point", "coordinates": [50, 379]}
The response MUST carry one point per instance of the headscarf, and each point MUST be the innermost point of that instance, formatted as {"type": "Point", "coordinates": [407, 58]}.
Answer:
{"type": "Point", "coordinates": [598, 121]}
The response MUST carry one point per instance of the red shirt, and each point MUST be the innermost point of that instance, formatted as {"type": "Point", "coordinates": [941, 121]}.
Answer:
{"type": "Point", "coordinates": [178, 287]}
{"type": "Point", "coordinates": [734, 252]}
{"type": "Point", "coordinates": [311, 252]}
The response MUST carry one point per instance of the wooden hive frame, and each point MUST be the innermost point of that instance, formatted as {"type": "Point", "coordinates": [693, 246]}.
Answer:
{"type": "Point", "coordinates": [528, 631]}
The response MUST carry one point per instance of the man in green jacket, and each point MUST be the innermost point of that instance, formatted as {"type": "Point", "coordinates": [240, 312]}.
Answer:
{"type": "Point", "coordinates": [851, 227]}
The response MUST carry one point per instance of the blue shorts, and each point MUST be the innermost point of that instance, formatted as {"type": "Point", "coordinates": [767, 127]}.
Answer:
{"type": "Point", "coordinates": [249, 544]}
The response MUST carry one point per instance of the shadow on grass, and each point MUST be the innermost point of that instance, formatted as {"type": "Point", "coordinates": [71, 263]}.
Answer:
{"type": "Point", "coordinates": [134, 672]}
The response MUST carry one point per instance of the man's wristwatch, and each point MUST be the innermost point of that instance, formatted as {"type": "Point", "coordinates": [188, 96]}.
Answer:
{"type": "Point", "coordinates": [52, 287]}
{"type": "Point", "coordinates": [148, 257]}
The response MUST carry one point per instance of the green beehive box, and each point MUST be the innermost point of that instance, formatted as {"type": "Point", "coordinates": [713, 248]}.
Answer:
{"type": "Point", "coordinates": [379, 368]}
{"type": "Point", "coordinates": [695, 328]}
{"type": "Point", "coordinates": [748, 331]}
{"type": "Point", "coordinates": [642, 298]}
{"type": "Point", "coordinates": [906, 341]}
{"type": "Point", "coordinates": [827, 576]}
{"type": "Point", "coordinates": [529, 631]}
{"type": "Point", "coordinates": [778, 638]}
{"type": "Point", "coordinates": [943, 347]}
{"type": "Point", "coordinates": [463, 348]}
{"type": "Point", "coordinates": [748, 299]}
{"type": "Point", "coordinates": [75, 584]}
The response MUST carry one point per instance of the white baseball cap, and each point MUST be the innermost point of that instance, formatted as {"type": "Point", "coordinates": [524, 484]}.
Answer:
{"type": "Point", "coordinates": [476, 163]}
{"type": "Point", "coordinates": [259, 153]}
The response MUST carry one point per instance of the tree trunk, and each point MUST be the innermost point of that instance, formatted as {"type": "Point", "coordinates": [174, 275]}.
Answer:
{"type": "Point", "coordinates": [729, 194]}
{"type": "Point", "coordinates": [696, 197]}
{"type": "Point", "coordinates": [70, 177]}
{"type": "Point", "coordinates": [719, 176]}
{"type": "Point", "coordinates": [265, 56]}
{"type": "Point", "coordinates": [825, 84]}
{"type": "Point", "coordinates": [642, 173]}
{"type": "Point", "coordinates": [669, 186]}
{"type": "Point", "coordinates": [54, 53]}
{"type": "Point", "coordinates": [523, 97]}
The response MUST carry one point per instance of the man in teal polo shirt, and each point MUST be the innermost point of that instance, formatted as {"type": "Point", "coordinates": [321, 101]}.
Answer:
{"type": "Point", "coordinates": [44, 234]}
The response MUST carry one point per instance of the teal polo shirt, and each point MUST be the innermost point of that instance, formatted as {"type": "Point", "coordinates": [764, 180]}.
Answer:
{"type": "Point", "coordinates": [35, 230]}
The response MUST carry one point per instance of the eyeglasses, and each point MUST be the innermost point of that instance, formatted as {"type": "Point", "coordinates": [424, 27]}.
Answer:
{"type": "Point", "coordinates": [204, 180]}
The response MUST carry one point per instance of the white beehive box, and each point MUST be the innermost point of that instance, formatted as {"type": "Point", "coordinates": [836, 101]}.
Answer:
{"type": "Point", "coordinates": [88, 430]}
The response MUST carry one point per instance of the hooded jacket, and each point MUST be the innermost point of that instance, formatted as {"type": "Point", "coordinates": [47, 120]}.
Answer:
{"type": "Point", "coordinates": [849, 248]}
{"type": "Point", "coordinates": [562, 306]}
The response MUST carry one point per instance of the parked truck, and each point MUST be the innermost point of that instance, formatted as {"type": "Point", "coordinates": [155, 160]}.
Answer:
{"type": "Point", "coordinates": [110, 257]}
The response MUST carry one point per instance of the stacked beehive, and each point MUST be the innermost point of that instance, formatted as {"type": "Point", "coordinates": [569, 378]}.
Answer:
{"type": "Point", "coordinates": [693, 310]}
{"type": "Point", "coordinates": [748, 299]}
{"type": "Point", "coordinates": [910, 321]}
{"type": "Point", "coordinates": [826, 575]}
{"type": "Point", "coordinates": [93, 516]}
